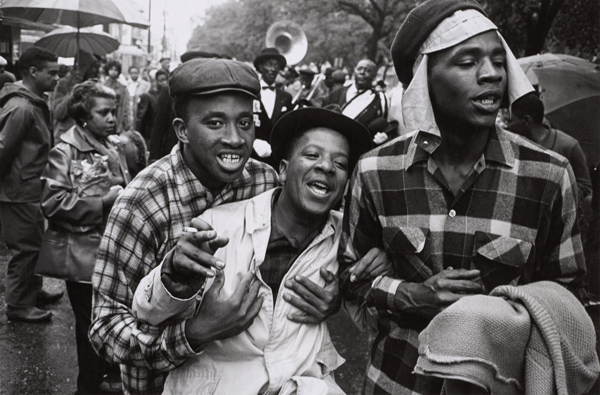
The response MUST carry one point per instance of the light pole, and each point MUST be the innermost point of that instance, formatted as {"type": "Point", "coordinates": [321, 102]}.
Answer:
{"type": "Point", "coordinates": [149, 28]}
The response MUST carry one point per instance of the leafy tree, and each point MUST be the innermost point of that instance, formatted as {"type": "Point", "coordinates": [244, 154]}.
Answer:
{"type": "Point", "coordinates": [383, 16]}
{"type": "Point", "coordinates": [535, 26]}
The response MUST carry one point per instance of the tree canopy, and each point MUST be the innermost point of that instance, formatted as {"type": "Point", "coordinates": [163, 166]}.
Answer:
{"type": "Point", "coordinates": [355, 29]}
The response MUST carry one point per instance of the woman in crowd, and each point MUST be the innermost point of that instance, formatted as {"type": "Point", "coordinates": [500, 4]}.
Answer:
{"type": "Point", "coordinates": [84, 176]}
{"type": "Point", "coordinates": [124, 113]}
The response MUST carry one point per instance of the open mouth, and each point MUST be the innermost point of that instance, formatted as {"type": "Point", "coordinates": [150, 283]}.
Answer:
{"type": "Point", "coordinates": [230, 161]}
{"type": "Point", "coordinates": [488, 103]}
{"type": "Point", "coordinates": [319, 188]}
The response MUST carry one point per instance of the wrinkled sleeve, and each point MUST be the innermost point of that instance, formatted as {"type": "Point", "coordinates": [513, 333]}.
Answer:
{"type": "Point", "coordinates": [14, 122]}
{"type": "Point", "coordinates": [127, 254]}
{"type": "Point", "coordinates": [154, 304]}
{"type": "Point", "coordinates": [360, 232]}
{"type": "Point", "coordinates": [561, 257]}
{"type": "Point", "coordinates": [60, 199]}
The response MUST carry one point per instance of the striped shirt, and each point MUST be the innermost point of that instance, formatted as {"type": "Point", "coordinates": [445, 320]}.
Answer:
{"type": "Point", "coordinates": [144, 224]}
{"type": "Point", "coordinates": [514, 219]}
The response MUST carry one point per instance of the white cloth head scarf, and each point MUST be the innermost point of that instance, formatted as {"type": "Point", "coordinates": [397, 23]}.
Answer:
{"type": "Point", "coordinates": [461, 26]}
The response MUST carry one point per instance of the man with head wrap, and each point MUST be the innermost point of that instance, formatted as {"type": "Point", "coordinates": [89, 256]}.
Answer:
{"type": "Point", "coordinates": [459, 206]}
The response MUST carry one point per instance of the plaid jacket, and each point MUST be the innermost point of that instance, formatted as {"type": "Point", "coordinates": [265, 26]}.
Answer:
{"type": "Point", "coordinates": [514, 219]}
{"type": "Point", "coordinates": [145, 223]}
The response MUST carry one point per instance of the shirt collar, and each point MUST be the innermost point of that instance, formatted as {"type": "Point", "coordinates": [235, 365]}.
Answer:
{"type": "Point", "coordinates": [498, 148]}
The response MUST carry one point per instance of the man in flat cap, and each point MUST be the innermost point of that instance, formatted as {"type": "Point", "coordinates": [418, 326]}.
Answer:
{"type": "Point", "coordinates": [460, 206]}
{"type": "Point", "coordinates": [282, 233]}
{"type": "Point", "coordinates": [162, 134]}
{"type": "Point", "coordinates": [274, 102]}
{"type": "Point", "coordinates": [213, 102]}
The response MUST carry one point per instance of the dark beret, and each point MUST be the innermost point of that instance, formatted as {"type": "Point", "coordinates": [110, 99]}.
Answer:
{"type": "Point", "coordinates": [417, 27]}
{"type": "Point", "coordinates": [202, 76]}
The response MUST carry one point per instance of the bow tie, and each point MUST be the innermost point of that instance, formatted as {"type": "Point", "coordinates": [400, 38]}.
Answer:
{"type": "Point", "coordinates": [271, 87]}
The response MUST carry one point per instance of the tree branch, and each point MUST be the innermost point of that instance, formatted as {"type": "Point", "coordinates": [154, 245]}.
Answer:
{"type": "Point", "coordinates": [356, 10]}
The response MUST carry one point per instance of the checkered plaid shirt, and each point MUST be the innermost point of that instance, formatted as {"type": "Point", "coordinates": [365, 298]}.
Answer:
{"type": "Point", "coordinates": [145, 223]}
{"type": "Point", "coordinates": [514, 219]}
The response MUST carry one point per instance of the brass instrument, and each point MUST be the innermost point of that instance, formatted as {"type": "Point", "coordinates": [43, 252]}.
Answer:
{"type": "Point", "coordinates": [289, 39]}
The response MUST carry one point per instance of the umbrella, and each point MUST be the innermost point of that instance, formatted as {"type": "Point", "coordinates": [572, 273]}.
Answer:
{"type": "Point", "coordinates": [570, 89]}
{"type": "Point", "coordinates": [77, 13]}
{"type": "Point", "coordinates": [63, 42]}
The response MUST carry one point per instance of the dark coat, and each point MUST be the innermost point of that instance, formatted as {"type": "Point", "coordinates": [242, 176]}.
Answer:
{"type": "Point", "coordinates": [25, 140]}
{"type": "Point", "coordinates": [283, 104]}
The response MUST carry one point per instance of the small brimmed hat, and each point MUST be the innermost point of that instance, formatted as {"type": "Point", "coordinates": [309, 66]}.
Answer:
{"type": "Point", "coordinates": [270, 53]}
{"type": "Point", "coordinates": [202, 76]}
{"type": "Point", "coordinates": [417, 27]}
{"type": "Point", "coordinates": [298, 121]}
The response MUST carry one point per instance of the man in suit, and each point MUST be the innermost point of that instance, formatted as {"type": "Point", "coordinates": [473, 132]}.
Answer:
{"type": "Point", "coordinates": [361, 102]}
{"type": "Point", "coordinates": [274, 102]}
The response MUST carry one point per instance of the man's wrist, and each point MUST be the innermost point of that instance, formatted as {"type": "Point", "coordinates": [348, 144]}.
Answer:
{"type": "Point", "coordinates": [383, 292]}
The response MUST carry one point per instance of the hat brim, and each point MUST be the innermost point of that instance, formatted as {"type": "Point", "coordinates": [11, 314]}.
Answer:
{"type": "Point", "coordinates": [225, 89]}
{"type": "Point", "coordinates": [296, 122]}
{"type": "Point", "coordinates": [261, 58]}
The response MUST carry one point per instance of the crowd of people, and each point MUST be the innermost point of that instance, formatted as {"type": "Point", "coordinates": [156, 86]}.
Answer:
{"type": "Point", "coordinates": [209, 220]}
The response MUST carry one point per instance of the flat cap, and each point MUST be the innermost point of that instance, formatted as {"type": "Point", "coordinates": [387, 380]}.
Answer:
{"type": "Point", "coordinates": [189, 55]}
{"type": "Point", "coordinates": [417, 27]}
{"type": "Point", "coordinates": [203, 76]}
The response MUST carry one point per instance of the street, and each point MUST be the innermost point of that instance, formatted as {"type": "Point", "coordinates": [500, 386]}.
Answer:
{"type": "Point", "coordinates": [41, 358]}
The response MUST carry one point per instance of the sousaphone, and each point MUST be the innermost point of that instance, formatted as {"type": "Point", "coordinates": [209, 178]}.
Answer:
{"type": "Point", "coordinates": [289, 39]}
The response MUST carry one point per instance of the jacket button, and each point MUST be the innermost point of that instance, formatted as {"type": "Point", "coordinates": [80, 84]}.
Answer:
{"type": "Point", "coordinates": [452, 213]}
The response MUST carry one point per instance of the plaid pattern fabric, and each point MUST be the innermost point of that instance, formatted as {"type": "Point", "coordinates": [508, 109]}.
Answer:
{"type": "Point", "coordinates": [514, 219]}
{"type": "Point", "coordinates": [145, 223]}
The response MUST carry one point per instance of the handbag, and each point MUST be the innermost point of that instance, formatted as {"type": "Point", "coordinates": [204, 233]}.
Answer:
{"type": "Point", "coordinates": [68, 256]}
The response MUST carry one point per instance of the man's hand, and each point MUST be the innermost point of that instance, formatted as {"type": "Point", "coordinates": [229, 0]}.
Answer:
{"type": "Point", "coordinates": [437, 292]}
{"type": "Point", "coordinates": [192, 261]}
{"type": "Point", "coordinates": [375, 263]}
{"type": "Point", "coordinates": [316, 303]}
{"type": "Point", "coordinates": [220, 317]}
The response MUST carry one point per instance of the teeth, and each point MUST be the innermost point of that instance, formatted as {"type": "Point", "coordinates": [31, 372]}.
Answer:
{"type": "Point", "coordinates": [230, 158]}
{"type": "Point", "coordinates": [319, 188]}
{"type": "Point", "coordinates": [487, 102]}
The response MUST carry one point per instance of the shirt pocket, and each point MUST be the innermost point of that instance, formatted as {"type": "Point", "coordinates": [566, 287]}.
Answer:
{"type": "Point", "coordinates": [500, 259]}
{"type": "Point", "coordinates": [192, 379]}
{"type": "Point", "coordinates": [409, 248]}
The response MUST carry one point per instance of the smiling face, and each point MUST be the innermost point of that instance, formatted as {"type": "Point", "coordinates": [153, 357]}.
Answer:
{"type": "Point", "coordinates": [217, 137]}
{"type": "Point", "coordinates": [269, 69]}
{"type": "Point", "coordinates": [102, 122]}
{"type": "Point", "coordinates": [467, 83]}
{"type": "Point", "coordinates": [315, 174]}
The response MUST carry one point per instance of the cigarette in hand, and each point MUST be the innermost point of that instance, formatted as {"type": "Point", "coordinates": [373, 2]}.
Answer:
{"type": "Point", "coordinates": [189, 229]}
